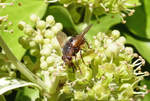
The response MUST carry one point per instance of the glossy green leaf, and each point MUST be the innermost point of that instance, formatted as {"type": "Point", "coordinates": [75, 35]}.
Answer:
{"type": "Point", "coordinates": [62, 15]}
{"type": "Point", "coordinates": [146, 97]}
{"type": "Point", "coordinates": [147, 83]}
{"type": "Point", "coordinates": [137, 22]}
{"type": "Point", "coordinates": [76, 16]}
{"type": "Point", "coordinates": [147, 10]}
{"type": "Point", "coordinates": [105, 23]}
{"type": "Point", "coordinates": [8, 84]}
{"type": "Point", "coordinates": [142, 46]}
{"type": "Point", "coordinates": [20, 10]}
{"type": "Point", "coordinates": [27, 94]}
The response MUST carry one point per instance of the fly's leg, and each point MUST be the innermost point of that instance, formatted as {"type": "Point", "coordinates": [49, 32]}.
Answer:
{"type": "Point", "coordinates": [87, 44]}
{"type": "Point", "coordinates": [77, 64]}
{"type": "Point", "coordinates": [68, 61]}
{"type": "Point", "coordinates": [80, 70]}
{"type": "Point", "coordinates": [81, 57]}
{"type": "Point", "coordinates": [76, 60]}
{"type": "Point", "coordinates": [76, 50]}
{"type": "Point", "coordinates": [73, 66]}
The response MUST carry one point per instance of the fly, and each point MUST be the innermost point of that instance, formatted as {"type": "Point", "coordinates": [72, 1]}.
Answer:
{"type": "Point", "coordinates": [73, 46]}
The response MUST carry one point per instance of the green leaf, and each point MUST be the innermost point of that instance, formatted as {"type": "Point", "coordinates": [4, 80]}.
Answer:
{"type": "Point", "coordinates": [137, 22]}
{"type": "Point", "coordinates": [146, 97]}
{"type": "Point", "coordinates": [147, 10]}
{"type": "Point", "coordinates": [145, 82]}
{"type": "Point", "coordinates": [27, 94]}
{"type": "Point", "coordinates": [20, 10]}
{"type": "Point", "coordinates": [106, 22]}
{"type": "Point", "coordinates": [62, 15]}
{"type": "Point", "coordinates": [76, 16]}
{"type": "Point", "coordinates": [142, 46]}
{"type": "Point", "coordinates": [8, 84]}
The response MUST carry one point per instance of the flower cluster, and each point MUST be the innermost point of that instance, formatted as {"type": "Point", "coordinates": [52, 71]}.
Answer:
{"type": "Point", "coordinates": [7, 68]}
{"type": "Point", "coordinates": [42, 43]}
{"type": "Point", "coordinates": [99, 7]}
{"type": "Point", "coordinates": [108, 73]}
{"type": "Point", "coordinates": [4, 24]}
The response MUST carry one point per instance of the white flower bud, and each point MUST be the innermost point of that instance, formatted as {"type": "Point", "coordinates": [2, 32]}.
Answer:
{"type": "Point", "coordinates": [28, 30]}
{"type": "Point", "coordinates": [58, 27]}
{"type": "Point", "coordinates": [43, 65]}
{"type": "Point", "coordinates": [38, 38]}
{"type": "Point", "coordinates": [129, 50]}
{"type": "Point", "coordinates": [49, 34]}
{"type": "Point", "coordinates": [112, 50]}
{"type": "Point", "coordinates": [34, 18]}
{"type": "Point", "coordinates": [121, 40]}
{"type": "Point", "coordinates": [45, 51]}
{"type": "Point", "coordinates": [50, 59]}
{"type": "Point", "coordinates": [47, 46]}
{"type": "Point", "coordinates": [42, 58]}
{"type": "Point", "coordinates": [32, 43]}
{"type": "Point", "coordinates": [80, 95]}
{"type": "Point", "coordinates": [108, 42]}
{"type": "Point", "coordinates": [50, 20]}
{"type": "Point", "coordinates": [97, 43]}
{"type": "Point", "coordinates": [40, 25]}
{"type": "Point", "coordinates": [115, 34]}
{"type": "Point", "coordinates": [46, 41]}
{"type": "Point", "coordinates": [55, 43]}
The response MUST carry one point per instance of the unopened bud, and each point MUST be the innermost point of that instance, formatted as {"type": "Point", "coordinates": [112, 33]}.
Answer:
{"type": "Point", "coordinates": [34, 18]}
{"type": "Point", "coordinates": [40, 25]}
{"type": "Point", "coordinates": [115, 34]}
{"type": "Point", "coordinates": [21, 25]}
{"type": "Point", "coordinates": [49, 34]}
{"type": "Point", "coordinates": [28, 30]}
{"type": "Point", "coordinates": [50, 20]}
{"type": "Point", "coordinates": [43, 65]}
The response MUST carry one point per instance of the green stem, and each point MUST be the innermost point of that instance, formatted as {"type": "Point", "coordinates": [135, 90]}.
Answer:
{"type": "Point", "coordinates": [21, 67]}
{"type": "Point", "coordinates": [54, 84]}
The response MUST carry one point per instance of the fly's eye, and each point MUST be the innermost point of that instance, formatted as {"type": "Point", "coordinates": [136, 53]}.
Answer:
{"type": "Point", "coordinates": [69, 58]}
{"type": "Point", "coordinates": [71, 40]}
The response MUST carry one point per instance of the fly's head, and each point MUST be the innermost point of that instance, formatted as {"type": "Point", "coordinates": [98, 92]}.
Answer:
{"type": "Point", "coordinates": [67, 59]}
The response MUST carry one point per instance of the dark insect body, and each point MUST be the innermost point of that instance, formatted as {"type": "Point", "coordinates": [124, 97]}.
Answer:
{"type": "Point", "coordinates": [73, 46]}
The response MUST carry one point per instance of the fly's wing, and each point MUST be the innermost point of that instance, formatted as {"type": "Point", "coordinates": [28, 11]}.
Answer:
{"type": "Point", "coordinates": [86, 30]}
{"type": "Point", "coordinates": [81, 35]}
{"type": "Point", "coordinates": [62, 38]}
